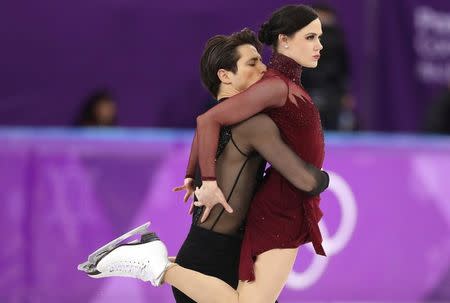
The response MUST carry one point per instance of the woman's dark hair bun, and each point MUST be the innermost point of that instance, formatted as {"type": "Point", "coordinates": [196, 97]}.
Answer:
{"type": "Point", "coordinates": [286, 20]}
{"type": "Point", "coordinates": [265, 34]}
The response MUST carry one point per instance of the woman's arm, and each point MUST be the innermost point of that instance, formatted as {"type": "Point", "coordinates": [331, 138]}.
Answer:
{"type": "Point", "coordinates": [267, 93]}
{"type": "Point", "coordinates": [193, 158]}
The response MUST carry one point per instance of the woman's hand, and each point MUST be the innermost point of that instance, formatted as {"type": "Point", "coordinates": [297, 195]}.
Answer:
{"type": "Point", "coordinates": [209, 195]}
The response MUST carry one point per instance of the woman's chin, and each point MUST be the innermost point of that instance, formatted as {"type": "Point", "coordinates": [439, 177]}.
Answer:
{"type": "Point", "coordinates": [312, 64]}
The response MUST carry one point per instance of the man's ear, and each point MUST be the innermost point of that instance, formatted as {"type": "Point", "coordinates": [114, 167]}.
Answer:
{"type": "Point", "coordinates": [224, 76]}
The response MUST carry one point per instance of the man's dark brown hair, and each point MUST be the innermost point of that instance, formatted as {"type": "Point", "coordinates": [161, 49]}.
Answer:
{"type": "Point", "coordinates": [221, 52]}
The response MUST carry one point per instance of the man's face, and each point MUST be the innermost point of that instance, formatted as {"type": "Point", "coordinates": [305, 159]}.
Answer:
{"type": "Point", "coordinates": [250, 68]}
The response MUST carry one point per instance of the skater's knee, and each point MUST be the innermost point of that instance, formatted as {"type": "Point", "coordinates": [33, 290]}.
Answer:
{"type": "Point", "coordinates": [222, 292]}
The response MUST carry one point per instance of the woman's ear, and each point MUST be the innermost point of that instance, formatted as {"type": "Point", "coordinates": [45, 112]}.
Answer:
{"type": "Point", "coordinates": [283, 40]}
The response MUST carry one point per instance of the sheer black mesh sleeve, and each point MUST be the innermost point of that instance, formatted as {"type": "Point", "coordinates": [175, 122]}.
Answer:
{"type": "Point", "coordinates": [260, 133]}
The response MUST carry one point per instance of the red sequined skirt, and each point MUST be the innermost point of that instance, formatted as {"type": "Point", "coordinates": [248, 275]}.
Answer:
{"type": "Point", "coordinates": [279, 217]}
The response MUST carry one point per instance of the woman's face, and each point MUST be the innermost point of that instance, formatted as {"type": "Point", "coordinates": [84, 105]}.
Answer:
{"type": "Point", "coordinates": [304, 45]}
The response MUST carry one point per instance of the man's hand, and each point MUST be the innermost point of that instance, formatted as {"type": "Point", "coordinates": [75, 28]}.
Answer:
{"type": "Point", "coordinates": [188, 186]}
{"type": "Point", "coordinates": [209, 195]}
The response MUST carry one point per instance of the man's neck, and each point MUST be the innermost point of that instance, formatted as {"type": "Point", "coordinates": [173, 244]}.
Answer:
{"type": "Point", "coordinates": [224, 96]}
{"type": "Point", "coordinates": [226, 92]}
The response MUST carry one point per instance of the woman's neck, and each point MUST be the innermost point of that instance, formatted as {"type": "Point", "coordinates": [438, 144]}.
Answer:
{"type": "Point", "coordinates": [287, 66]}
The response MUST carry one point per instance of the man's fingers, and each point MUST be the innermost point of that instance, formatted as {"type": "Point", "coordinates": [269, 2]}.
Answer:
{"type": "Point", "coordinates": [172, 259]}
{"type": "Point", "coordinates": [191, 209]}
{"type": "Point", "coordinates": [205, 214]}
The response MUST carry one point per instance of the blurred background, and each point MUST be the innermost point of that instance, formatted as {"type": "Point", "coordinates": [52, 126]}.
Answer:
{"type": "Point", "coordinates": [98, 101]}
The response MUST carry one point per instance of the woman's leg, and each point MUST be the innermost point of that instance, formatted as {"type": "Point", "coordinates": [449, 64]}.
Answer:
{"type": "Point", "coordinates": [272, 269]}
{"type": "Point", "coordinates": [200, 287]}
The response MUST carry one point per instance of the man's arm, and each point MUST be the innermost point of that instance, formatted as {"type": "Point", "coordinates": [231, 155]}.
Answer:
{"type": "Point", "coordinates": [260, 133]}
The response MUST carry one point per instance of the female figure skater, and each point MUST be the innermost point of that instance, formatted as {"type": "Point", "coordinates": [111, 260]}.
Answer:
{"type": "Point", "coordinates": [281, 217]}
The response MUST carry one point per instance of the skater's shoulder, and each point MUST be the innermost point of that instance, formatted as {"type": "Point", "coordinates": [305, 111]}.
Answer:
{"type": "Point", "coordinates": [258, 124]}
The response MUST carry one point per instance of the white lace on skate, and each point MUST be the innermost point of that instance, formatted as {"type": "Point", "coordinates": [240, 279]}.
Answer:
{"type": "Point", "coordinates": [130, 269]}
{"type": "Point", "coordinates": [145, 261]}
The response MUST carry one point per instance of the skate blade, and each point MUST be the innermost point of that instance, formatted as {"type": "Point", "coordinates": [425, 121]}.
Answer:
{"type": "Point", "coordinates": [93, 258]}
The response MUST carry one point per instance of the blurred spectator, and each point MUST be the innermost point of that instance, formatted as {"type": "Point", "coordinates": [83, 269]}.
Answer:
{"type": "Point", "coordinates": [328, 84]}
{"type": "Point", "coordinates": [99, 109]}
{"type": "Point", "coordinates": [437, 119]}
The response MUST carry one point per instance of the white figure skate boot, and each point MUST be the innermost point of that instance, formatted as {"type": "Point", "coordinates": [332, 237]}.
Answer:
{"type": "Point", "coordinates": [145, 259]}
